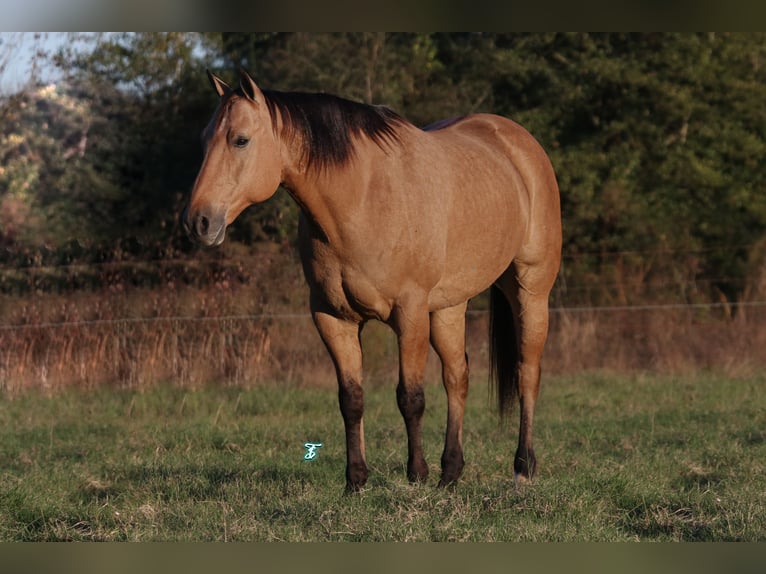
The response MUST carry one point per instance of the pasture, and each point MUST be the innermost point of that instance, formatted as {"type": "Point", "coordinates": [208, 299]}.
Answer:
{"type": "Point", "coordinates": [621, 458]}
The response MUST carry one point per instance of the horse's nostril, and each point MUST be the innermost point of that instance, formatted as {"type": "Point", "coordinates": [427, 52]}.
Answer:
{"type": "Point", "coordinates": [203, 225]}
{"type": "Point", "coordinates": [206, 227]}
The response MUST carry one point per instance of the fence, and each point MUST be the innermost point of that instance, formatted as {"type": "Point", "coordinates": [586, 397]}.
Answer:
{"type": "Point", "coordinates": [128, 317]}
{"type": "Point", "coordinates": [248, 348]}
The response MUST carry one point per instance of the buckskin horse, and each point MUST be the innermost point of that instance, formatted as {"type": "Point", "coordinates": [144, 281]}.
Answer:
{"type": "Point", "coordinates": [403, 225]}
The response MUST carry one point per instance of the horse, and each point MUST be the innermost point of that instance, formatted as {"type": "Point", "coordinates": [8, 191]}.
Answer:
{"type": "Point", "coordinates": [403, 225]}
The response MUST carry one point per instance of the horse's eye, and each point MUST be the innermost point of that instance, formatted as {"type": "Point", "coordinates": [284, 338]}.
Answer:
{"type": "Point", "coordinates": [241, 141]}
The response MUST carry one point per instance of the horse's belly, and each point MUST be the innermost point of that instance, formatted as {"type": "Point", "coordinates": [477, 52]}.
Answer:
{"type": "Point", "coordinates": [471, 267]}
{"type": "Point", "coordinates": [459, 288]}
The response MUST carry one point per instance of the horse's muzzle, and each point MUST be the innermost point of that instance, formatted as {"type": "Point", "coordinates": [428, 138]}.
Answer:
{"type": "Point", "coordinates": [205, 227]}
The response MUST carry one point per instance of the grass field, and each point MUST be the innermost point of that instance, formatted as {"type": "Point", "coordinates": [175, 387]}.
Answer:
{"type": "Point", "coordinates": [622, 458]}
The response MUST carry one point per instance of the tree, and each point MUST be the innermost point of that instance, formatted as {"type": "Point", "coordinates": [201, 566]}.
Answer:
{"type": "Point", "coordinates": [657, 139]}
{"type": "Point", "coordinates": [18, 174]}
{"type": "Point", "coordinates": [43, 177]}
{"type": "Point", "coordinates": [148, 97]}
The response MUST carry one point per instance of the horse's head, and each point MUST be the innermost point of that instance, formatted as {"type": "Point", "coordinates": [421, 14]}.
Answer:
{"type": "Point", "coordinates": [242, 163]}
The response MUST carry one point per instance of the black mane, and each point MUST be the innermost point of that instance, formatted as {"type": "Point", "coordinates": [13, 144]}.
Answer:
{"type": "Point", "coordinates": [326, 124]}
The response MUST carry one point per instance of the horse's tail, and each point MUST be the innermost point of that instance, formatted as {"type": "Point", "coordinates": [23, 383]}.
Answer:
{"type": "Point", "coordinates": [503, 351]}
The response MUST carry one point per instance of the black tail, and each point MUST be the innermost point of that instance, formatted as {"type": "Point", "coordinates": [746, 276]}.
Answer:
{"type": "Point", "coordinates": [503, 352]}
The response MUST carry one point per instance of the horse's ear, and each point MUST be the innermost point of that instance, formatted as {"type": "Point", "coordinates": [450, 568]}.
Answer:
{"type": "Point", "coordinates": [249, 88]}
{"type": "Point", "coordinates": [220, 87]}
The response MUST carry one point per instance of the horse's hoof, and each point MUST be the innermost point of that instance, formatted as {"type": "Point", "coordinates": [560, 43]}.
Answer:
{"type": "Point", "coordinates": [520, 480]}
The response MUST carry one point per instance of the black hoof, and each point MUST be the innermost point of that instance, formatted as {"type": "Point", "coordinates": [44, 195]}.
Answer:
{"type": "Point", "coordinates": [356, 477]}
{"type": "Point", "coordinates": [417, 472]}
{"type": "Point", "coordinates": [524, 465]}
{"type": "Point", "coordinates": [452, 468]}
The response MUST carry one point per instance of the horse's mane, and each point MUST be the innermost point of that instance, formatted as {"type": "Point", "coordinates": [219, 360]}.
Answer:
{"type": "Point", "coordinates": [327, 124]}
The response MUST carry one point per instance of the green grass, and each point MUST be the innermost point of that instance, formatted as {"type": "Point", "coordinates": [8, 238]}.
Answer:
{"type": "Point", "coordinates": [620, 458]}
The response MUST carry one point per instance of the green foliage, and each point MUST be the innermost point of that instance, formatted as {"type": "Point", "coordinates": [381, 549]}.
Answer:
{"type": "Point", "coordinates": [657, 139]}
{"type": "Point", "coordinates": [111, 150]}
{"type": "Point", "coordinates": [44, 184]}
{"type": "Point", "coordinates": [150, 104]}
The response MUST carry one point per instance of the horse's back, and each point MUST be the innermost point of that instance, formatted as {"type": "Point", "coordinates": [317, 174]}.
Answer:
{"type": "Point", "coordinates": [497, 135]}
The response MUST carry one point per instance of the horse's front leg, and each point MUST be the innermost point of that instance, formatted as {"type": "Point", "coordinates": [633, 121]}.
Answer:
{"type": "Point", "coordinates": [341, 338]}
{"type": "Point", "coordinates": [411, 324]}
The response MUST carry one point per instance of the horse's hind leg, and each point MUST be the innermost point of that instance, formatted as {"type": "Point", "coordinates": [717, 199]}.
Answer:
{"type": "Point", "coordinates": [342, 341]}
{"type": "Point", "coordinates": [448, 339]}
{"type": "Point", "coordinates": [527, 288]}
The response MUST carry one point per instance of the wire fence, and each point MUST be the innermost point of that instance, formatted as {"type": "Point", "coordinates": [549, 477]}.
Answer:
{"type": "Point", "coordinates": [250, 347]}
{"type": "Point", "coordinates": [245, 319]}
{"type": "Point", "coordinates": [306, 315]}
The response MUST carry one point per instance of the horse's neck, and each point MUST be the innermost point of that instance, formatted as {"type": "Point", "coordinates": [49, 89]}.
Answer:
{"type": "Point", "coordinates": [332, 196]}
{"type": "Point", "coordinates": [323, 199]}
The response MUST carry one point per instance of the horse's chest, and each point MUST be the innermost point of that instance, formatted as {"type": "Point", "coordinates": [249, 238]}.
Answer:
{"type": "Point", "coordinates": [350, 293]}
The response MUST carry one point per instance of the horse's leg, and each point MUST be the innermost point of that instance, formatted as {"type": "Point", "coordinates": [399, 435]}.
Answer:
{"type": "Point", "coordinates": [410, 322]}
{"type": "Point", "coordinates": [448, 339]}
{"type": "Point", "coordinates": [527, 289]}
{"type": "Point", "coordinates": [342, 341]}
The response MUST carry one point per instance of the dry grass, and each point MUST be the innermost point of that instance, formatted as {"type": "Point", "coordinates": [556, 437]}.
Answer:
{"type": "Point", "coordinates": [674, 340]}
{"type": "Point", "coordinates": [125, 338]}
{"type": "Point", "coordinates": [130, 339]}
